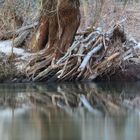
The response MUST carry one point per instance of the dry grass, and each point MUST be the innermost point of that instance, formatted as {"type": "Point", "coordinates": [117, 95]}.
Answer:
{"type": "Point", "coordinates": [102, 13]}
{"type": "Point", "coordinates": [17, 13]}
{"type": "Point", "coordinates": [110, 12]}
{"type": "Point", "coordinates": [133, 20]}
{"type": "Point", "coordinates": [7, 68]}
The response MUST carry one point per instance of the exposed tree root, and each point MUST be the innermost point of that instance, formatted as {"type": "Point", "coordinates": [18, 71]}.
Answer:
{"type": "Point", "coordinates": [88, 57]}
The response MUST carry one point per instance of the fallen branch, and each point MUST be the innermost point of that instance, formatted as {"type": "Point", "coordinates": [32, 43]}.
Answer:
{"type": "Point", "coordinates": [88, 56]}
{"type": "Point", "coordinates": [10, 34]}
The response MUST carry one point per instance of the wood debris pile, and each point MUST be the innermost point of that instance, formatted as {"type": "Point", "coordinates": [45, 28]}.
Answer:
{"type": "Point", "coordinates": [92, 54]}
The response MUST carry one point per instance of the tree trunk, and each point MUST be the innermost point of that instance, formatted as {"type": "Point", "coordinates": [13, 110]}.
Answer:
{"type": "Point", "coordinates": [59, 22]}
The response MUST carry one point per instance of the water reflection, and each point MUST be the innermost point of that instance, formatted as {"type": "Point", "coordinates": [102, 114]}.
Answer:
{"type": "Point", "coordinates": [22, 119]}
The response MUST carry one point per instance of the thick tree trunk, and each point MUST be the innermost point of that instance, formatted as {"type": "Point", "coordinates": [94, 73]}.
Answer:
{"type": "Point", "coordinates": [58, 24]}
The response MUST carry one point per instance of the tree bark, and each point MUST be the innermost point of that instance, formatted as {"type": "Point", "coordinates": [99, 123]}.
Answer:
{"type": "Point", "coordinates": [59, 22]}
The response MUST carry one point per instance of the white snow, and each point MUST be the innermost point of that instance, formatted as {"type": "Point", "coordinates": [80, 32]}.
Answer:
{"type": "Point", "coordinates": [6, 48]}
{"type": "Point", "coordinates": [22, 56]}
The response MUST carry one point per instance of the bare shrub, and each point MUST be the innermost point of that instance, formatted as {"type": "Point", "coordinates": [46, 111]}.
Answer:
{"type": "Point", "coordinates": [7, 68]}
{"type": "Point", "coordinates": [16, 13]}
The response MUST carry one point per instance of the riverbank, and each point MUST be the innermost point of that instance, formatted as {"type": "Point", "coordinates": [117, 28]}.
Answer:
{"type": "Point", "coordinates": [105, 52]}
{"type": "Point", "coordinates": [113, 55]}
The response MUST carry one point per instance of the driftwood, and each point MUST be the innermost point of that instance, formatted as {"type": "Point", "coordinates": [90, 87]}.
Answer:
{"type": "Point", "coordinates": [91, 55]}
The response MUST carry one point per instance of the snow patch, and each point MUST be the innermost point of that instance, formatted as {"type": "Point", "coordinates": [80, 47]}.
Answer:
{"type": "Point", "coordinates": [22, 56]}
{"type": "Point", "coordinates": [6, 48]}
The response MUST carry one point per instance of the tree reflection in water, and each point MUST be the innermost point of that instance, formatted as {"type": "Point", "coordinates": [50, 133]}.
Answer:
{"type": "Point", "coordinates": [27, 114]}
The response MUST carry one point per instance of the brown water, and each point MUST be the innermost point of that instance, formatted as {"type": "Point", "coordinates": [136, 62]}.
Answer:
{"type": "Point", "coordinates": [27, 122]}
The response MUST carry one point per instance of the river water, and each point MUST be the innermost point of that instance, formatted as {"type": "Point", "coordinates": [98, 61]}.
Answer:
{"type": "Point", "coordinates": [20, 120]}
